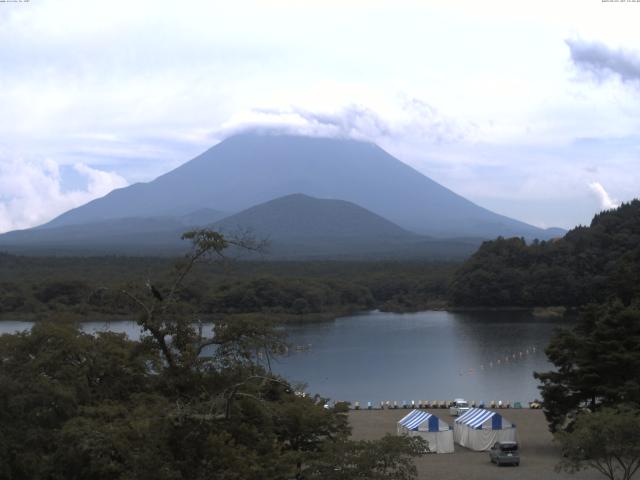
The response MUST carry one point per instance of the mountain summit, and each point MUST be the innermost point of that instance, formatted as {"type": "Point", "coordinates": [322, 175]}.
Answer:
{"type": "Point", "coordinates": [251, 168]}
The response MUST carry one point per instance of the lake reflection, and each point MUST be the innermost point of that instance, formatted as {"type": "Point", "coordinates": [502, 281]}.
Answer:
{"type": "Point", "coordinates": [429, 355]}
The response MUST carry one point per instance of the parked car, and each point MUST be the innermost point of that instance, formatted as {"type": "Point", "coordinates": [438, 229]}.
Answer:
{"type": "Point", "coordinates": [458, 407]}
{"type": "Point", "coordinates": [505, 453]}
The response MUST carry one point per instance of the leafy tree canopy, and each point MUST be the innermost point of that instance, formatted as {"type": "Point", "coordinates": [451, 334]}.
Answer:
{"type": "Point", "coordinates": [607, 441]}
{"type": "Point", "coordinates": [589, 264]}
{"type": "Point", "coordinates": [597, 363]}
{"type": "Point", "coordinates": [77, 406]}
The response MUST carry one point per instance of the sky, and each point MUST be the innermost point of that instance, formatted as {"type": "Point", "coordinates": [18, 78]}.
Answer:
{"type": "Point", "coordinates": [530, 109]}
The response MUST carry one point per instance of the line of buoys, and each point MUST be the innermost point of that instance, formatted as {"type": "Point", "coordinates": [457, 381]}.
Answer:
{"type": "Point", "coordinates": [508, 358]}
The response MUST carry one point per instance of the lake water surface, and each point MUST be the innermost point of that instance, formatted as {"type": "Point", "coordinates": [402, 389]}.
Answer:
{"type": "Point", "coordinates": [431, 355]}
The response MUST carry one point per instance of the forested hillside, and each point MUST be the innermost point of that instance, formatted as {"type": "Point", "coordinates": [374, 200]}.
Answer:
{"type": "Point", "coordinates": [590, 264]}
{"type": "Point", "coordinates": [597, 362]}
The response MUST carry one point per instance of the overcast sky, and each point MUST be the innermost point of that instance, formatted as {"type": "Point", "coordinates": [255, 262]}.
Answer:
{"type": "Point", "coordinates": [528, 108]}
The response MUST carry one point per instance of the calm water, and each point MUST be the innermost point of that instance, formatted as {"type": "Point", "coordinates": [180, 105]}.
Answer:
{"type": "Point", "coordinates": [428, 355]}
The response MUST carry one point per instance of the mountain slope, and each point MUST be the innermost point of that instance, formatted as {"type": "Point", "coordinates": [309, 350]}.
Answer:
{"type": "Point", "coordinates": [299, 216]}
{"type": "Point", "coordinates": [250, 169]}
{"type": "Point", "coordinates": [137, 235]}
{"type": "Point", "coordinates": [296, 227]}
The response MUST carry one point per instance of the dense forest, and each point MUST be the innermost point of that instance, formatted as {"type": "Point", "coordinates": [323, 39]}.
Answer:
{"type": "Point", "coordinates": [589, 264]}
{"type": "Point", "coordinates": [80, 406]}
{"type": "Point", "coordinates": [37, 287]}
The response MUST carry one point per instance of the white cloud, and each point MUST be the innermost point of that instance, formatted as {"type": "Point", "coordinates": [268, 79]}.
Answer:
{"type": "Point", "coordinates": [31, 192]}
{"type": "Point", "coordinates": [140, 87]}
{"type": "Point", "coordinates": [606, 202]}
{"type": "Point", "coordinates": [404, 119]}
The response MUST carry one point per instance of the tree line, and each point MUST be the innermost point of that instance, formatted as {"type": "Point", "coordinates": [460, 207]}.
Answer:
{"type": "Point", "coordinates": [32, 287]}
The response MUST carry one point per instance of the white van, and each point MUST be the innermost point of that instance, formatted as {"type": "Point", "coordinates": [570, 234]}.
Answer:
{"type": "Point", "coordinates": [458, 407]}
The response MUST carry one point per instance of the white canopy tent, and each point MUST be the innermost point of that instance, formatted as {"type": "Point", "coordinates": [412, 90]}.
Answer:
{"type": "Point", "coordinates": [478, 429]}
{"type": "Point", "coordinates": [437, 433]}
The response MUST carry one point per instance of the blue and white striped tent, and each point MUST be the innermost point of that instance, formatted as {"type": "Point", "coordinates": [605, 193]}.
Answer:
{"type": "Point", "coordinates": [478, 429]}
{"type": "Point", "coordinates": [437, 433]}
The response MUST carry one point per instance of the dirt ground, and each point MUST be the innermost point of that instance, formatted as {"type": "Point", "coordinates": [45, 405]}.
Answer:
{"type": "Point", "coordinates": [538, 454]}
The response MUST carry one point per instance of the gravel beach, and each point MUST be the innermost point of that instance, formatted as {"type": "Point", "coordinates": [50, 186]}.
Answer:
{"type": "Point", "coordinates": [538, 453]}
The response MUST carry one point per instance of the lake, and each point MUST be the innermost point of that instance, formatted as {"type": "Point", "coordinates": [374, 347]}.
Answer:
{"type": "Point", "coordinates": [432, 355]}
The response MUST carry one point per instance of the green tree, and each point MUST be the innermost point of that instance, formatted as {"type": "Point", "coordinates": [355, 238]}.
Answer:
{"type": "Point", "coordinates": [607, 441]}
{"type": "Point", "coordinates": [67, 292]}
{"type": "Point", "coordinates": [175, 405]}
{"type": "Point", "coordinates": [391, 457]}
{"type": "Point", "coordinates": [11, 297]}
{"type": "Point", "coordinates": [48, 376]}
{"type": "Point", "coordinates": [300, 306]}
{"type": "Point", "coordinates": [597, 363]}
{"type": "Point", "coordinates": [589, 264]}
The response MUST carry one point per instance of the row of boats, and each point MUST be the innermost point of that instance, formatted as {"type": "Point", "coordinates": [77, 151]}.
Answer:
{"type": "Point", "coordinates": [442, 404]}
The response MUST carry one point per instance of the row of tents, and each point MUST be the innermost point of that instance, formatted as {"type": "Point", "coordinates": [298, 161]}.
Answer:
{"type": "Point", "coordinates": [477, 429]}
